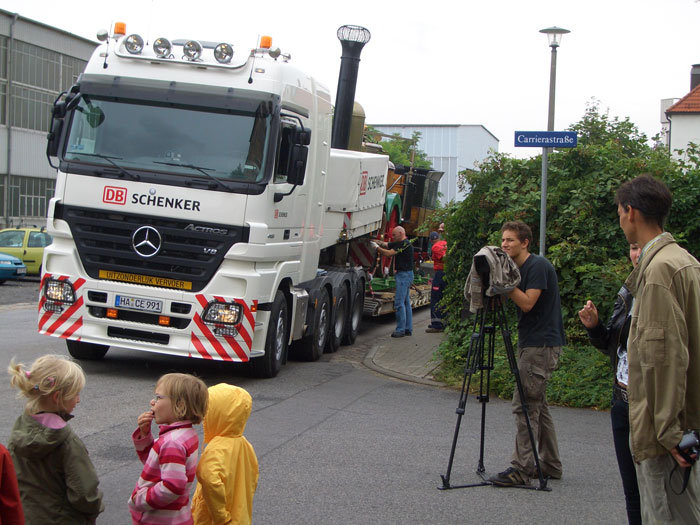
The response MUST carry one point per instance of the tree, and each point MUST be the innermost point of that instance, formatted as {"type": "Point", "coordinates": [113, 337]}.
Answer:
{"type": "Point", "coordinates": [399, 148]}
{"type": "Point", "coordinates": [584, 241]}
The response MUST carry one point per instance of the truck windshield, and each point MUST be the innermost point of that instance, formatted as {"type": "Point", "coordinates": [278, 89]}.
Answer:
{"type": "Point", "coordinates": [227, 144]}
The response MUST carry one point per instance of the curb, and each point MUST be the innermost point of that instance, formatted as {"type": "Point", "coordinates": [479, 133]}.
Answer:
{"type": "Point", "coordinates": [368, 361]}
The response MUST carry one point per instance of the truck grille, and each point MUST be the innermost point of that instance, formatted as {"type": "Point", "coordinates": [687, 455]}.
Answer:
{"type": "Point", "coordinates": [104, 242]}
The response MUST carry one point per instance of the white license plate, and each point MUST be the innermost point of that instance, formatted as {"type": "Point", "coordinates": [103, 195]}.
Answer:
{"type": "Point", "coordinates": [138, 303]}
{"type": "Point", "coordinates": [21, 271]}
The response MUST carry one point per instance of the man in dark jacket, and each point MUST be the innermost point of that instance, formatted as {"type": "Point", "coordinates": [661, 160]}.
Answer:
{"type": "Point", "coordinates": [612, 341]}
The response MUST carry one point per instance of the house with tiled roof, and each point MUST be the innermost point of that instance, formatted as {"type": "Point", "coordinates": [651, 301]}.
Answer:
{"type": "Point", "coordinates": [684, 116]}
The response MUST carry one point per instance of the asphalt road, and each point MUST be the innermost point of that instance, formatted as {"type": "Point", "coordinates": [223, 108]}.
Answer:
{"type": "Point", "coordinates": [337, 443]}
{"type": "Point", "coordinates": [21, 291]}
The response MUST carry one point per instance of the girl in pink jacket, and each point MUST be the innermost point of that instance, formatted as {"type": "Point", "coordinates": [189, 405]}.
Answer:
{"type": "Point", "coordinates": [162, 493]}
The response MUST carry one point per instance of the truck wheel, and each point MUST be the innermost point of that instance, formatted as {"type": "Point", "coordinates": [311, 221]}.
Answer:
{"type": "Point", "coordinates": [340, 317]}
{"type": "Point", "coordinates": [270, 364]}
{"type": "Point", "coordinates": [86, 351]}
{"type": "Point", "coordinates": [352, 327]}
{"type": "Point", "coordinates": [311, 348]}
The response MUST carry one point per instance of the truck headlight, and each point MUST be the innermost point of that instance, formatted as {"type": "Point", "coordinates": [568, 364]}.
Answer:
{"type": "Point", "coordinates": [192, 49]}
{"type": "Point", "coordinates": [162, 47]}
{"type": "Point", "coordinates": [134, 44]}
{"type": "Point", "coordinates": [223, 316]}
{"type": "Point", "coordinates": [58, 294]}
{"type": "Point", "coordinates": [223, 53]}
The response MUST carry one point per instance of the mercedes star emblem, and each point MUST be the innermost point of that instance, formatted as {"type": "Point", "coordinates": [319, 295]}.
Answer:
{"type": "Point", "coordinates": [146, 241]}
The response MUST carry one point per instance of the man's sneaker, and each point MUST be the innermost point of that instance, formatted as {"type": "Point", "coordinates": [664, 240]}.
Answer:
{"type": "Point", "coordinates": [508, 478]}
{"type": "Point", "coordinates": [397, 334]}
{"type": "Point", "coordinates": [432, 330]}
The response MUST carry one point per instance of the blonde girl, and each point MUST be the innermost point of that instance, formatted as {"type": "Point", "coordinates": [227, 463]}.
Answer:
{"type": "Point", "coordinates": [57, 481]}
{"type": "Point", "coordinates": [162, 493]}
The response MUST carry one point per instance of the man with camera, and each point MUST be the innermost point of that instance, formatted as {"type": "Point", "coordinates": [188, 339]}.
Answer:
{"type": "Point", "coordinates": [540, 338]}
{"type": "Point", "coordinates": [664, 357]}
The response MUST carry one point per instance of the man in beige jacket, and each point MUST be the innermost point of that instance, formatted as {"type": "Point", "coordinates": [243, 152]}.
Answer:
{"type": "Point", "coordinates": [663, 353]}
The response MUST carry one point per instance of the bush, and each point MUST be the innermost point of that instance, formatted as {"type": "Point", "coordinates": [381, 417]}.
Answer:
{"type": "Point", "coordinates": [584, 241]}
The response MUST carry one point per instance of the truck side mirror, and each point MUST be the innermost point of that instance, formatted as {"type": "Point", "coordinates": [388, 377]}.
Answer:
{"type": "Point", "coordinates": [302, 136]}
{"type": "Point", "coordinates": [58, 114]}
{"type": "Point", "coordinates": [292, 156]}
{"type": "Point", "coordinates": [53, 138]}
{"type": "Point", "coordinates": [297, 165]}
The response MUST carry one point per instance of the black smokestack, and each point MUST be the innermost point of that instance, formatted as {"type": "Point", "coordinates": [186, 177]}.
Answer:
{"type": "Point", "coordinates": [694, 76]}
{"type": "Point", "coordinates": [353, 39]}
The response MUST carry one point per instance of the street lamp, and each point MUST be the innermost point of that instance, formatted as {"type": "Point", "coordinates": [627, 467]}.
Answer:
{"type": "Point", "coordinates": [554, 35]}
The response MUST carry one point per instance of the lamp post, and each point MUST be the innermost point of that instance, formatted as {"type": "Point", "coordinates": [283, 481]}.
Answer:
{"type": "Point", "coordinates": [554, 35]}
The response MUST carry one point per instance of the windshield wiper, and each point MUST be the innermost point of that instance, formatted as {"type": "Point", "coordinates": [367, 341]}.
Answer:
{"type": "Point", "coordinates": [200, 169]}
{"type": "Point", "coordinates": [109, 159]}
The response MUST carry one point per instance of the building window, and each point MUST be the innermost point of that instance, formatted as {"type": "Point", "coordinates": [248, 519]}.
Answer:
{"type": "Point", "coordinates": [29, 196]}
{"type": "Point", "coordinates": [39, 75]}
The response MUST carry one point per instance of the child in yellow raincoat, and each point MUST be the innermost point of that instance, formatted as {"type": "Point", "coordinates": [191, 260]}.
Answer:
{"type": "Point", "coordinates": [227, 473]}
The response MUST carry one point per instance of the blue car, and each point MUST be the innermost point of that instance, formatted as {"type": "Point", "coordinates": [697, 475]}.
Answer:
{"type": "Point", "coordinates": [11, 267]}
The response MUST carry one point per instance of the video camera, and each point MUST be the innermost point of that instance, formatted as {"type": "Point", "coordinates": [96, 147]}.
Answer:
{"type": "Point", "coordinates": [689, 445]}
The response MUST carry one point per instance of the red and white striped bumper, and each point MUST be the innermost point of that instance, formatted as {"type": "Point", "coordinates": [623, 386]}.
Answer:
{"type": "Point", "coordinates": [197, 340]}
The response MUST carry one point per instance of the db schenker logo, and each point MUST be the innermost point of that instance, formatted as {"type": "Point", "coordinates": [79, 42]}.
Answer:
{"type": "Point", "coordinates": [114, 195]}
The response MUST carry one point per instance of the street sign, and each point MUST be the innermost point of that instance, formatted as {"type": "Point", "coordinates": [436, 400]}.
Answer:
{"type": "Point", "coordinates": [546, 139]}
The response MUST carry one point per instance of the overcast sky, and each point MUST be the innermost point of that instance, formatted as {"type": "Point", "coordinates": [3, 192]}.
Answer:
{"type": "Point", "coordinates": [444, 62]}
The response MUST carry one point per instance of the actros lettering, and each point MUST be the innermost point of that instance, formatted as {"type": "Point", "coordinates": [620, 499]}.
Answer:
{"type": "Point", "coordinates": [206, 229]}
{"type": "Point", "coordinates": [165, 202]}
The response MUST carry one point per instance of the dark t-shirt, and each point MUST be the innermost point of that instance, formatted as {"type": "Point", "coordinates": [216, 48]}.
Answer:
{"type": "Point", "coordinates": [543, 325]}
{"type": "Point", "coordinates": [404, 255]}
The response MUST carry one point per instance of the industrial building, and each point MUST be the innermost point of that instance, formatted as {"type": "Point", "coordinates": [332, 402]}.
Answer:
{"type": "Point", "coordinates": [37, 62]}
{"type": "Point", "coordinates": [451, 148]}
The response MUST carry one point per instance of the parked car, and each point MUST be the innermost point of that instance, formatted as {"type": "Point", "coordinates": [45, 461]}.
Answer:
{"type": "Point", "coordinates": [11, 267]}
{"type": "Point", "coordinates": [26, 243]}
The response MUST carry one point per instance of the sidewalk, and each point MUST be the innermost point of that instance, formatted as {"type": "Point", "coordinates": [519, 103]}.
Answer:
{"type": "Point", "coordinates": [409, 358]}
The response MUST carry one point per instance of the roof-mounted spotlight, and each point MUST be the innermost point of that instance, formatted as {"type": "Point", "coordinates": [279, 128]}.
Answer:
{"type": "Point", "coordinates": [223, 53]}
{"type": "Point", "coordinates": [192, 50]}
{"type": "Point", "coordinates": [162, 47]}
{"type": "Point", "coordinates": [134, 44]}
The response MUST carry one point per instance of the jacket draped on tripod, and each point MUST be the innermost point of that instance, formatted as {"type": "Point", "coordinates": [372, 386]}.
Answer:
{"type": "Point", "coordinates": [503, 272]}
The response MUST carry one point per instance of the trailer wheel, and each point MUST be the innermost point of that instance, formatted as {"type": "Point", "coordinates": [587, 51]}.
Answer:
{"type": "Point", "coordinates": [340, 317]}
{"type": "Point", "coordinates": [86, 351]}
{"type": "Point", "coordinates": [355, 315]}
{"type": "Point", "coordinates": [270, 364]}
{"type": "Point", "coordinates": [311, 348]}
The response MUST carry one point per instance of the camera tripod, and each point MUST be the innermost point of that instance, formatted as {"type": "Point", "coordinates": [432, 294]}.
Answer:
{"type": "Point", "coordinates": [480, 360]}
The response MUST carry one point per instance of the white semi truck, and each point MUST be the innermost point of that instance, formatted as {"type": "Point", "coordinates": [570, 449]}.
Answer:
{"type": "Point", "coordinates": [200, 209]}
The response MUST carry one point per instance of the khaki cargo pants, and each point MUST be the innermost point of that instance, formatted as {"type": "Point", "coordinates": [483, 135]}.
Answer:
{"type": "Point", "coordinates": [536, 365]}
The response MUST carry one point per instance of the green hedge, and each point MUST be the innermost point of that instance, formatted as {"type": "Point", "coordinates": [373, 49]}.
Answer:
{"type": "Point", "coordinates": [584, 240]}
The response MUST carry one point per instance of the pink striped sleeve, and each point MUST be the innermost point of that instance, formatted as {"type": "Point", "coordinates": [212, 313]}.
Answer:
{"type": "Point", "coordinates": [142, 444]}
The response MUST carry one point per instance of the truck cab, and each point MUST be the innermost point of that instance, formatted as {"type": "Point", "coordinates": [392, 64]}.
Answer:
{"type": "Point", "coordinates": [197, 200]}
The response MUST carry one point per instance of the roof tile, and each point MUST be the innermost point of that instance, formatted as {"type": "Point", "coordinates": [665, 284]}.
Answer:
{"type": "Point", "coordinates": [688, 104]}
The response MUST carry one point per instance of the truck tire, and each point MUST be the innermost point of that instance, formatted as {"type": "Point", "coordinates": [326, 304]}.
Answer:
{"type": "Point", "coordinates": [311, 348]}
{"type": "Point", "coordinates": [86, 351]}
{"type": "Point", "coordinates": [357, 305]}
{"type": "Point", "coordinates": [340, 318]}
{"type": "Point", "coordinates": [270, 364]}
